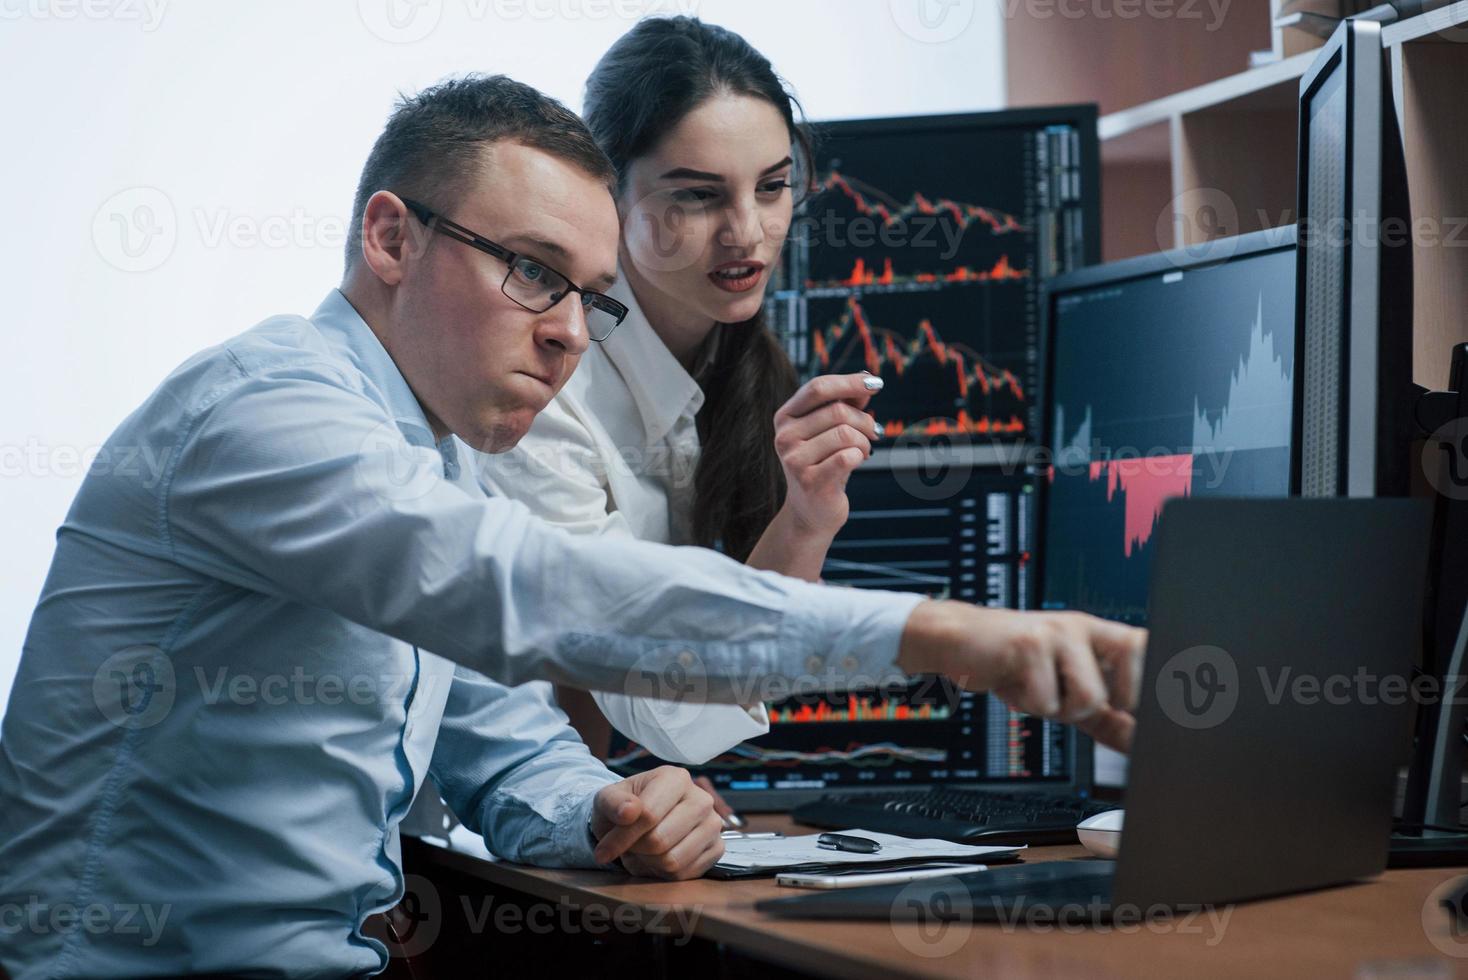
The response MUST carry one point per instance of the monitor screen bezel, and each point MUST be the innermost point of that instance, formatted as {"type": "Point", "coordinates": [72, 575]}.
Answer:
{"type": "Point", "coordinates": [1354, 50]}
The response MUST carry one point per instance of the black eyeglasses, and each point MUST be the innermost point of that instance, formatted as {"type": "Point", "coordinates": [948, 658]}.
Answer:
{"type": "Point", "coordinates": [530, 283]}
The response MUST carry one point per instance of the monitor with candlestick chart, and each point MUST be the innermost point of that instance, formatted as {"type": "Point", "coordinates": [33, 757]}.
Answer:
{"type": "Point", "coordinates": [1170, 375]}
{"type": "Point", "coordinates": [920, 254]}
{"type": "Point", "coordinates": [945, 531]}
{"type": "Point", "coordinates": [908, 735]}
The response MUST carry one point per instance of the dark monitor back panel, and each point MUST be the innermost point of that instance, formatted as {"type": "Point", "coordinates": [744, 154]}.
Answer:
{"type": "Point", "coordinates": [1170, 376]}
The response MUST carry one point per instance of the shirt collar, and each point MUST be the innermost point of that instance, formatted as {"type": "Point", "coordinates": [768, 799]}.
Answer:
{"type": "Point", "coordinates": [347, 333]}
{"type": "Point", "coordinates": [663, 391]}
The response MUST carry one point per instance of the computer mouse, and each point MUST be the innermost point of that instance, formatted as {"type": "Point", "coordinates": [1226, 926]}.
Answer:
{"type": "Point", "coordinates": [1101, 834]}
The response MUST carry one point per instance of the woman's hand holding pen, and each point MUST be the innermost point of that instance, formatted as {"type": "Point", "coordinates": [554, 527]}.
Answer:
{"type": "Point", "coordinates": [822, 434]}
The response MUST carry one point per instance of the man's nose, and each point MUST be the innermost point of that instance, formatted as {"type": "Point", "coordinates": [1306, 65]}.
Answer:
{"type": "Point", "coordinates": [563, 326]}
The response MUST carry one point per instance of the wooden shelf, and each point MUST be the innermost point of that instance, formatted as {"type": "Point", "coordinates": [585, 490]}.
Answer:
{"type": "Point", "coordinates": [1203, 97]}
{"type": "Point", "coordinates": [1219, 159]}
{"type": "Point", "coordinates": [1452, 18]}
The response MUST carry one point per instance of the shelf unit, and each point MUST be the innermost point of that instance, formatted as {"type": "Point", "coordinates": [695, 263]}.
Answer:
{"type": "Point", "coordinates": [1219, 159]}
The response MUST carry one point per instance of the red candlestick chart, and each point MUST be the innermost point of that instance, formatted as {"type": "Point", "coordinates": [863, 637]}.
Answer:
{"type": "Point", "coordinates": [872, 202]}
{"type": "Point", "coordinates": [862, 274]}
{"type": "Point", "coordinates": [853, 342]}
{"type": "Point", "coordinates": [860, 709]}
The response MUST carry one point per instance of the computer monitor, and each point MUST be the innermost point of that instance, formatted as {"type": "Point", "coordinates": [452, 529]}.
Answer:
{"type": "Point", "coordinates": [920, 258]}
{"type": "Point", "coordinates": [948, 530]}
{"type": "Point", "coordinates": [1354, 297]}
{"type": "Point", "coordinates": [1356, 401]}
{"type": "Point", "coordinates": [943, 528]}
{"type": "Point", "coordinates": [1169, 375]}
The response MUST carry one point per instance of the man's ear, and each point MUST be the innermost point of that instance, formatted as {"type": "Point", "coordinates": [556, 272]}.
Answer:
{"type": "Point", "coordinates": [390, 236]}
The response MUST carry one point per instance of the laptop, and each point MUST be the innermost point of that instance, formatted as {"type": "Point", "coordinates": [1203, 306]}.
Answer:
{"type": "Point", "coordinates": [1267, 739]}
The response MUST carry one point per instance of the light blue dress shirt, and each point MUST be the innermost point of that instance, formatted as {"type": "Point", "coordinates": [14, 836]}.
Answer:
{"type": "Point", "coordinates": [225, 702]}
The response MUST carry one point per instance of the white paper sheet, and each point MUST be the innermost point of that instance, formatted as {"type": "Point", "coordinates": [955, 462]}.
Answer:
{"type": "Point", "coordinates": [745, 854]}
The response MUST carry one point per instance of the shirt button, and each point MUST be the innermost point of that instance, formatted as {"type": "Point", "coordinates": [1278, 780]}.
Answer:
{"type": "Point", "coordinates": [813, 665]}
{"type": "Point", "coordinates": [850, 663]}
{"type": "Point", "coordinates": [686, 658]}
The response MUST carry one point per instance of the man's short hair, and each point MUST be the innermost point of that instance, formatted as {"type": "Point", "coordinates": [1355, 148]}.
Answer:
{"type": "Point", "coordinates": [434, 141]}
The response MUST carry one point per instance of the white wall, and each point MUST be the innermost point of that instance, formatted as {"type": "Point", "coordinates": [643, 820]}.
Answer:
{"type": "Point", "coordinates": [174, 171]}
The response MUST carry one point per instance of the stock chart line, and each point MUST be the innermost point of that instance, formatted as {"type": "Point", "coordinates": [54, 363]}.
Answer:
{"type": "Point", "coordinates": [881, 347]}
{"type": "Point", "coordinates": [876, 203]}
{"type": "Point", "coordinates": [1260, 383]}
{"type": "Point", "coordinates": [894, 575]}
{"type": "Point", "coordinates": [862, 275]}
{"type": "Point", "coordinates": [746, 756]}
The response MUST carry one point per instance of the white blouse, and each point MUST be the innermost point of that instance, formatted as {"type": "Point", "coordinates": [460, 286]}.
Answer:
{"type": "Point", "coordinates": [615, 453]}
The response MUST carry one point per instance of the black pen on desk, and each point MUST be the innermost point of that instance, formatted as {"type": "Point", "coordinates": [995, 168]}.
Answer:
{"type": "Point", "coordinates": [845, 842]}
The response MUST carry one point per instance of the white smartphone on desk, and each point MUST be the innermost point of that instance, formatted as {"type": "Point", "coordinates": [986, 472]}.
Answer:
{"type": "Point", "coordinates": [856, 878]}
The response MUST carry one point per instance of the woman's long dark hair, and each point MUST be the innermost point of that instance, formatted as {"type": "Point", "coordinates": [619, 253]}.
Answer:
{"type": "Point", "coordinates": [643, 86]}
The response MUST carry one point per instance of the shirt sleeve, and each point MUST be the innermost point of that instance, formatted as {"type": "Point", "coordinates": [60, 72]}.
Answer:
{"type": "Point", "coordinates": [292, 484]}
{"type": "Point", "coordinates": [516, 773]}
{"type": "Point", "coordinates": [558, 472]}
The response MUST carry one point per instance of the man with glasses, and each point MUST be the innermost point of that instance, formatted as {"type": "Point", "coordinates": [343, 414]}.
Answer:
{"type": "Point", "coordinates": [227, 700]}
{"type": "Point", "coordinates": [534, 285]}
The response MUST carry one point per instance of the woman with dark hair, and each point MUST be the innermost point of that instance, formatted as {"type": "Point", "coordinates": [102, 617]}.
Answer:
{"type": "Point", "coordinates": [686, 426]}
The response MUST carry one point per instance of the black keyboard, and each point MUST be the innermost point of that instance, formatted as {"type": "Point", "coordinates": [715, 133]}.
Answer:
{"type": "Point", "coordinates": [964, 815]}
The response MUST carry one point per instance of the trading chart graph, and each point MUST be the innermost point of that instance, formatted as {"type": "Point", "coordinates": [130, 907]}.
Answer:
{"type": "Point", "coordinates": [919, 258]}
{"type": "Point", "coordinates": [928, 731]}
{"type": "Point", "coordinates": [1169, 387]}
{"type": "Point", "coordinates": [919, 366]}
{"type": "Point", "coordinates": [945, 532]}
